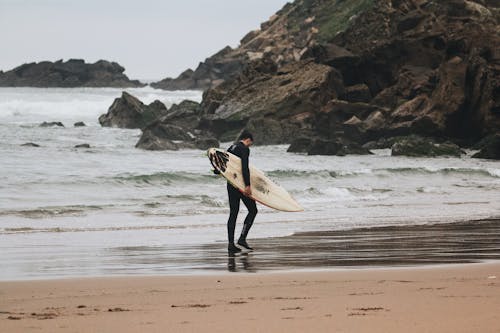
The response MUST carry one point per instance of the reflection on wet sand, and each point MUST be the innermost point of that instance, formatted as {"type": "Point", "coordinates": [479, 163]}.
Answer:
{"type": "Point", "coordinates": [463, 242]}
{"type": "Point", "coordinates": [240, 263]}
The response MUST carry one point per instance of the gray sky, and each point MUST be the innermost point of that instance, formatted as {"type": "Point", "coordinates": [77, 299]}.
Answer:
{"type": "Point", "coordinates": [152, 39]}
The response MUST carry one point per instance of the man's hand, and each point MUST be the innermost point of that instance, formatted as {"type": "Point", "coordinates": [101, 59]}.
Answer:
{"type": "Point", "coordinates": [248, 191]}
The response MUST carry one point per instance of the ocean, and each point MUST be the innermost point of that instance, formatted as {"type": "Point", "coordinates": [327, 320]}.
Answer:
{"type": "Point", "coordinates": [112, 209]}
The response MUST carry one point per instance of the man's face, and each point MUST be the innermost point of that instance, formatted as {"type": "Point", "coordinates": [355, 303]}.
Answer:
{"type": "Point", "coordinates": [247, 142]}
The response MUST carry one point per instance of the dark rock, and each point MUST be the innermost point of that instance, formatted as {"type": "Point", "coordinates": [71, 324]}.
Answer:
{"type": "Point", "coordinates": [291, 95]}
{"type": "Point", "coordinates": [149, 141]}
{"type": "Point", "coordinates": [486, 141]}
{"type": "Point", "coordinates": [160, 136]}
{"type": "Point", "coordinates": [358, 122]}
{"type": "Point", "coordinates": [185, 114]}
{"type": "Point", "coordinates": [324, 147]}
{"type": "Point", "coordinates": [79, 124]}
{"type": "Point", "coordinates": [30, 144]}
{"type": "Point", "coordinates": [382, 143]}
{"type": "Point", "coordinates": [490, 148]}
{"type": "Point", "coordinates": [83, 145]}
{"type": "Point", "coordinates": [73, 73]}
{"type": "Point", "coordinates": [336, 147]}
{"type": "Point", "coordinates": [424, 147]}
{"type": "Point", "coordinates": [51, 124]}
{"type": "Point", "coordinates": [167, 131]}
{"type": "Point", "coordinates": [402, 67]}
{"type": "Point", "coordinates": [300, 145]}
{"type": "Point", "coordinates": [129, 112]}
{"type": "Point", "coordinates": [333, 55]}
{"type": "Point", "coordinates": [205, 143]}
{"type": "Point", "coordinates": [268, 131]}
{"type": "Point", "coordinates": [223, 65]}
{"type": "Point", "coordinates": [357, 93]}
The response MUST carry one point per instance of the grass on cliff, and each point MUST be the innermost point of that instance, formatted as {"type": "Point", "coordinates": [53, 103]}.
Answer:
{"type": "Point", "coordinates": [336, 18]}
{"type": "Point", "coordinates": [331, 16]}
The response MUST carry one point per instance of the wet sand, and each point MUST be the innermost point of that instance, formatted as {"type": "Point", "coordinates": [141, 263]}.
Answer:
{"type": "Point", "coordinates": [452, 298]}
{"type": "Point", "coordinates": [389, 246]}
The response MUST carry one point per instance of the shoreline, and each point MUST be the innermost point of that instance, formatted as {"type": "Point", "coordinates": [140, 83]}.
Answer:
{"type": "Point", "coordinates": [449, 298]}
{"type": "Point", "coordinates": [366, 248]}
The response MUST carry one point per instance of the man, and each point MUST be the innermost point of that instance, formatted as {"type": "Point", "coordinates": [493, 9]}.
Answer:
{"type": "Point", "coordinates": [241, 150]}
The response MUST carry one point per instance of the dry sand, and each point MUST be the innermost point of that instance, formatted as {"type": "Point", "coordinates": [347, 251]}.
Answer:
{"type": "Point", "coordinates": [463, 298]}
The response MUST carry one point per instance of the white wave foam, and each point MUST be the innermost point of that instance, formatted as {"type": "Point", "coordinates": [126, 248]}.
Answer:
{"type": "Point", "coordinates": [494, 172]}
{"type": "Point", "coordinates": [32, 105]}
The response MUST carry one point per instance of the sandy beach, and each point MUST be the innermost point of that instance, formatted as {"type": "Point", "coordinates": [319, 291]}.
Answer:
{"type": "Point", "coordinates": [449, 298]}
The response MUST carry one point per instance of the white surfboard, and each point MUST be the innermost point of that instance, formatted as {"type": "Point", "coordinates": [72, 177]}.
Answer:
{"type": "Point", "coordinates": [264, 190]}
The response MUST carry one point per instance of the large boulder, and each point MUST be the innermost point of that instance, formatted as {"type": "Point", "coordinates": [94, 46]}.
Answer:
{"type": "Point", "coordinates": [161, 136]}
{"type": "Point", "coordinates": [129, 112]}
{"type": "Point", "coordinates": [268, 131]}
{"type": "Point", "coordinates": [149, 141]}
{"type": "Point", "coordinates": [72, 73]}
{"type": "Point", "coordinates": [416, 146]}
{"type": "Point", "coordinates": [357, 122]}
{"type": "Point", "coordinates": [185, 114]}
{"type": "Point", "coordinates": [176, 129]}
{"type": "Point", "coordinates": [292, 94]}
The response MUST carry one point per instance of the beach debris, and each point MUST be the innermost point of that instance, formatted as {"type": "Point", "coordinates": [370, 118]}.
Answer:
{"type": "Point", "coordinates": [191, 306]}
{"type": "Point", "coordinates": [13, 318]}
{"type": "Point", "coordinates": [45, 315]}
{"type": "Point", "coordinates": [117, 310]}
{"type": "Point", "coordinates": [365, 311]}
{"type": "Point", "coordinates": [297, 308]}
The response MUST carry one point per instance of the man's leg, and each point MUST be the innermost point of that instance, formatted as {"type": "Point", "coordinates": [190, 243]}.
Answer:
{"type": "Point", "coordinates": [252, 212]}
{"type": "Point", "coordinates": [234, 206]}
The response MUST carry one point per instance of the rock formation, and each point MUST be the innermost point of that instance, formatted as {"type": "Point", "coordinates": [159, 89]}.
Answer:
{"type": "Point", "coordinates": [51, 124]}
{"type": "Point", "coordinates": [366, 70]}
{"type": "Point", "coordinates": [162, 128]}
{"type": "Point", "coordinates": [179, 123]}
{"type": "Point", "coordinates": [490, 148]}
{"type": "Point", "coordinates": [419, 147]}
{"type": "Point", "coordinates": [69, 74]}
{"type": "Point", "coordinates": [338, 73]}
{"type": "Point", "coordinates": [129, 112]}
{"type": "Point", "coordinates": [283, 39]}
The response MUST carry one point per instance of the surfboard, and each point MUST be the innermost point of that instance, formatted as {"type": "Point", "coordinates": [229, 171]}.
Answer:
{"type": "Point", "coordinates": [264, 190]}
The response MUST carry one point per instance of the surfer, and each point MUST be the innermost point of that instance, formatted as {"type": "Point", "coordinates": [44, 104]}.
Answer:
{"type": "Point", "coordinates": [241, 149]}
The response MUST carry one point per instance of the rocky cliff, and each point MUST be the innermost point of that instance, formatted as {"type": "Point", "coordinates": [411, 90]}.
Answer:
{"type": "Point", "coordinates": [339, 74]}
{"type": "Point", "coordinates": [72, 73]}
{"type": "Point", "coordinates": [283, 39]}
{"type": "Point", "coordinates": [362, 70]}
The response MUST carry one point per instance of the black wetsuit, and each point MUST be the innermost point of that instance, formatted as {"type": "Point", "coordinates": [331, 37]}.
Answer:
{"type": "Point", "coordinates": [242, 151]}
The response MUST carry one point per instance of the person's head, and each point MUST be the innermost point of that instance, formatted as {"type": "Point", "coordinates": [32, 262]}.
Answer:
{"type": "Point", "coordinates": [246, 137]}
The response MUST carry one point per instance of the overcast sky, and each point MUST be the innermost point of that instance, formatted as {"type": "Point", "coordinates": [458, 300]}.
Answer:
{"type": "Point", "coordinates": [152, 39]}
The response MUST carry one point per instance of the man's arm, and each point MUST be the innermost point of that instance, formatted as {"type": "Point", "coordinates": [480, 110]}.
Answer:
{"type": "Point", "coordinates": [244, 169]}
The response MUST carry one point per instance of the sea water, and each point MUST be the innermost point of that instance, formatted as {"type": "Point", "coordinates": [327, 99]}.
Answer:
{"type": "Point", "coordinates": [115, 209]}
